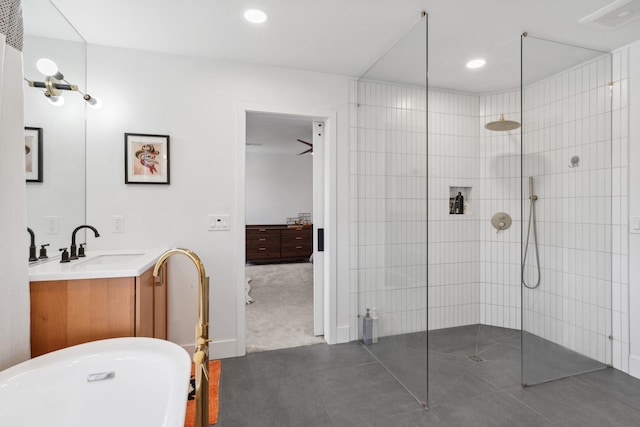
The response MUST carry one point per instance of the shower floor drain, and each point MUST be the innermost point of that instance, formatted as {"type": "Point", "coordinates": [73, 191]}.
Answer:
{"type": "Point", "coordinates": [475, 358]}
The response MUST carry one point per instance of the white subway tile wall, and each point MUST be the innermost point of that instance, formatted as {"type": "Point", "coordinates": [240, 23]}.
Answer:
{"type": "Point", "coordinates": [620, 209]}
{"type": "Point", "coordinates": [499, 184]}
{"type": "Point", "coordinates": [474, 271]}
{"type": "Point", "coordinates": [566, 115]}
{"type": "Point", "coordinates": [454, 165]}
{"type": "Point", "coordinates": [389, 222]}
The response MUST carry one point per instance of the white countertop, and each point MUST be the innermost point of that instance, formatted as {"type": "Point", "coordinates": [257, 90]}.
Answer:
{"type": "Point", "coordinates": [97, 264]}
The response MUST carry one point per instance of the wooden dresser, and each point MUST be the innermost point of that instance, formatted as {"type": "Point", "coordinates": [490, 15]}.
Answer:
{"type": "Point", "coordinates": [272, 243]}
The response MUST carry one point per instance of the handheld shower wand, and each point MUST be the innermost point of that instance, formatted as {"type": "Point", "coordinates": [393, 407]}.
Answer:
{"type": "Point", "coordinates": [532, 224]}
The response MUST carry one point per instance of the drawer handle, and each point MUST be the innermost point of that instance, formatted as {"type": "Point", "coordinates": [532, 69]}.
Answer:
{"type": "Point", "coordinates": [298, 247]}
{"type": "Point", "coordinates": [262, 249]}
{"type": "Point", "coordinates": [262, 230]}
{"type": "Point", "coordinates": [262, 239]}
{"type": "Point", "coordinates": [298, 238]}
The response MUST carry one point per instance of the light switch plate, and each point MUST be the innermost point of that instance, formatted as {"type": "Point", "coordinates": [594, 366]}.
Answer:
{"type": "Point", "coordinates": [117, 224]}
{"type": "Point", "coordinates": [218, 222]}
{"type": "Point", "coordinates": [634, 224]}
{"type": "Point", "coordinates": [52, 224]}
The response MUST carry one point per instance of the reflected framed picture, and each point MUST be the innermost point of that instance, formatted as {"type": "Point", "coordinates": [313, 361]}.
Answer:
{"type": "Point", "coordinates": [146, 159]}
{"type": "Point", "coordinates": [33, 153]}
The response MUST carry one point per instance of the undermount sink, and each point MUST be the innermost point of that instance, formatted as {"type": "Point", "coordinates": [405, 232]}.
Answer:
{"type": "Point", "coordinates": [98, 264]}
{"type": "Point", "coordinates": [110, 259]}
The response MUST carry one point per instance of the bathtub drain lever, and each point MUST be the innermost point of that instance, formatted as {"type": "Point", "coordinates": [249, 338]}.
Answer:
{"type": "Point", "coordinates": [101, 376]}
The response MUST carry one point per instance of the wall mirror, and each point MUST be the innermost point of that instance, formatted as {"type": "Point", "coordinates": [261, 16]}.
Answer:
{"type": "Point", "coordinates": [56, 205]}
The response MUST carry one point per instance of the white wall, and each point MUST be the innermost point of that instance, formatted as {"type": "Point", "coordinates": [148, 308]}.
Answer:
{"type": "Point", "coordinates": [632, 69]}
{"type": "Point", "coordinates": [14, 282]}
{"type": "Point", "coordinates": [197, 102]}
{"type": "Point", "coordinates": [278, 186]}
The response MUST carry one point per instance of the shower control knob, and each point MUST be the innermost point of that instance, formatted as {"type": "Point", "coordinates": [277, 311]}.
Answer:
{"type": "Point", "coordinates": [501, 221]}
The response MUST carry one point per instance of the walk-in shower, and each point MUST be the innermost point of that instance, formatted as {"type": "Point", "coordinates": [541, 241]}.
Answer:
{"type": "Point", "coordinates": [460, 309]}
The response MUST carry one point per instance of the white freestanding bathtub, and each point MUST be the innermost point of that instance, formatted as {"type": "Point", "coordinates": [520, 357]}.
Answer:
{"type": "Point", "coordinates": [116, 382]}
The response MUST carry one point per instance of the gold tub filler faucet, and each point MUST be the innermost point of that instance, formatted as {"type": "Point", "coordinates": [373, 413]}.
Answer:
{"type": "Point", "coordinates": [201, 354]}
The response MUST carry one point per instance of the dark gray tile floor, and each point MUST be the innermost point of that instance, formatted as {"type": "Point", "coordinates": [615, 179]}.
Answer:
{"type": "Point", "coordinates": [345, 385]}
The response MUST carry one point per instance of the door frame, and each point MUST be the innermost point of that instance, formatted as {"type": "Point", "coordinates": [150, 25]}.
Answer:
{"type": "Point", "coordinates": [330, 214]}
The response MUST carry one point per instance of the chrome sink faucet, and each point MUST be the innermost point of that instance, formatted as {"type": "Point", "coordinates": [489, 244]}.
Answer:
{"type": "Point", "coordinates": [73, 254]}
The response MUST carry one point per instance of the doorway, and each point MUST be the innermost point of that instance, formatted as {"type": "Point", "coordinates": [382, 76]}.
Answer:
{"type": "Point", "coordinates": [284, 210]}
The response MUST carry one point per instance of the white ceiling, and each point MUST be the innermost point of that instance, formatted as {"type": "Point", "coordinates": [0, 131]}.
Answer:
{"type": "Point", "coordinates": [347, 36]}
{"type": "Point", "coordinates": [344, 37]}
{"type": "Point", "coordinates": [277, 133]}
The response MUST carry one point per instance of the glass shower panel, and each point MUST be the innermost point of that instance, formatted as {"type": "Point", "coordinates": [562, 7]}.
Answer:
{"type": "Point", "coordinates": [391, 156]}
{"type": "Point", "coordinates": [566, 209]}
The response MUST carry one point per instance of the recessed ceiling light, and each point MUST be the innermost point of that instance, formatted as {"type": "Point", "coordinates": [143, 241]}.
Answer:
{"type": "Point", "coordinates": [476, 63]}
{"type": "Point", "coordinates": [255, 16]}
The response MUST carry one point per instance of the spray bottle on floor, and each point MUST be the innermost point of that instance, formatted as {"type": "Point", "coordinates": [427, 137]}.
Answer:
{"type": "Point", "coordinates": [367, 329]}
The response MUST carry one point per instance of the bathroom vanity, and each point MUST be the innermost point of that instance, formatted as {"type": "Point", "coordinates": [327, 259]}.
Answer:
{"type": "Point", "coordinates": [109, 294]}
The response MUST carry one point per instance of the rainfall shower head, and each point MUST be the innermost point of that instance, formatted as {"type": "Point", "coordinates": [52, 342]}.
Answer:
{"type": "Point", "coordinates": [502, 125]}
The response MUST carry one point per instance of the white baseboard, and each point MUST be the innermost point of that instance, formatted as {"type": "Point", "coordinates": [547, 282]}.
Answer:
{"type": "Point", "coordinates": [634, 366]}
{"type": "Point", "coordinates": [343, 334]}
{"type": "Point", "coordinates": [223, 349]}
{"type": "Point", "coordinates": [217, 349]}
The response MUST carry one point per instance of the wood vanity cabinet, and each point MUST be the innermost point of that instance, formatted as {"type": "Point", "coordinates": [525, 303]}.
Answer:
{"type": "Point", "coordinates": [70, 312]}
{"type": "Point", "coordinates": [273, 243]}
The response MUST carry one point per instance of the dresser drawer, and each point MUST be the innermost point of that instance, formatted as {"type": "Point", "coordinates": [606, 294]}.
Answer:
{"type": "Point", "coordinates": [292, 233]}
{"type": "Point", "coordinates": [262, 253]}
{"type": "Point", "coordinates": [262, 234]}
{"type": "Point", "coordinates": [293, 237]}
{"type": "Point", "coordinates": [270, 244]}
{"type": "Point", "coordinates": [303, 250]}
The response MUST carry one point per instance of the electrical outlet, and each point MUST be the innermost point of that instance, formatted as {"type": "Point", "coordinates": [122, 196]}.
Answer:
{"type": "Point", "coordinates": [117, 224]}
{"type": "Point", "coordinates": [52, 224]}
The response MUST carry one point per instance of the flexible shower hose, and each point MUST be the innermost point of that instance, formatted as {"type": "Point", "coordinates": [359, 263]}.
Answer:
{"type": "Point", "coordinates": [532, 224]}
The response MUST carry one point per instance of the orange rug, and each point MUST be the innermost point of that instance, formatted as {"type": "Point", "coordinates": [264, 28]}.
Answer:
{"type": "Point", "coordinates": [214, 382]}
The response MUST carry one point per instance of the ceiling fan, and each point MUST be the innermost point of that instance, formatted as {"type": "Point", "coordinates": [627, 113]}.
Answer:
{"type": "Point", "coordinates": [310, 150]}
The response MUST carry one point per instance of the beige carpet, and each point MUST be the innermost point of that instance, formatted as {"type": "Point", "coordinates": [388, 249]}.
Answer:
{"type": "Point", "coordinates": [281, 315]}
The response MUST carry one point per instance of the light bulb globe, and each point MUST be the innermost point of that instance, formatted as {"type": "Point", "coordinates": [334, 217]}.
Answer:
{"type": "Point", "coordinates": [47, 67]}
{"type": "Point", "coordinates": [58, 101]}
{"type": "Point", "coordinates": [95, 103]}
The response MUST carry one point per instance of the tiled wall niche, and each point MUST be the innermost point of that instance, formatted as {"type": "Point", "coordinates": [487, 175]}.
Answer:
{"type": "Point", "coordinates": [474, 272]}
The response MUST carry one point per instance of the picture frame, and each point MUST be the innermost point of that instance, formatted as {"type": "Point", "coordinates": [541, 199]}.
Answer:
{"type": "Point", "coordinates": [33, 154]}
{"type": "Point", "coordinates": [146, 159]}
